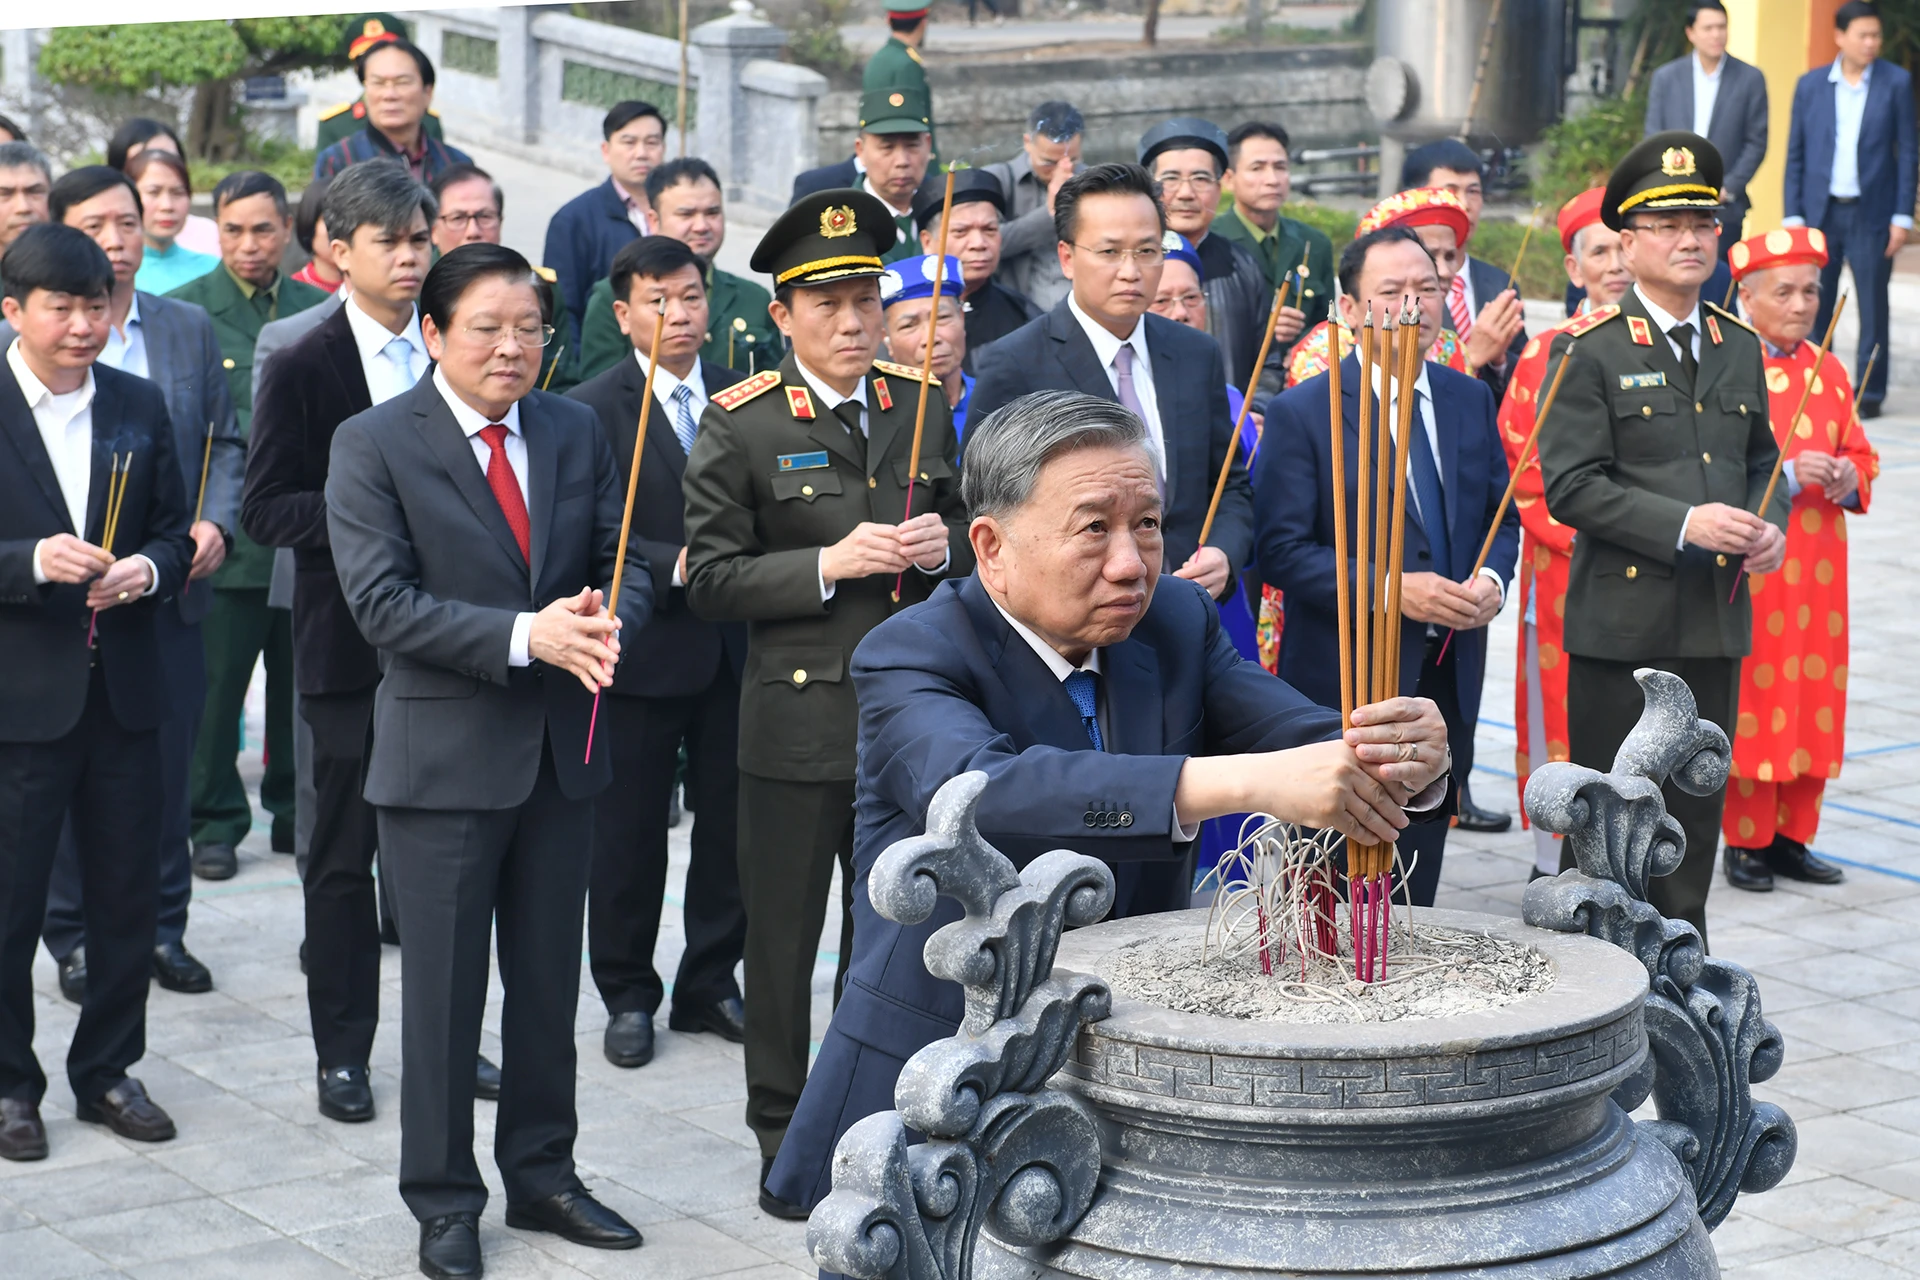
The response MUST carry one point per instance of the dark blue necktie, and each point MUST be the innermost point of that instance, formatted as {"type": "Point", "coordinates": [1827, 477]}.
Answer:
{"type": "Point", "coordinates": [1080, 686]}
{"type": "Point", "coordinates": [1431, 496]}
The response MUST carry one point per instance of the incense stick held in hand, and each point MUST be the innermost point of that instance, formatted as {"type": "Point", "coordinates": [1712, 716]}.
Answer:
{"type": "Point", "coordinates": [1860, 391]}
{"type": "Point", "coordinates": [1246, 401]}
{"type": "Point", "coordinates": [206, 456]}
{"type": "Point", "coordinates": [633, 485]}
{"type": "Point", "coordinates": [926, 365]}
{"type": "Point", "coordinates": [1785, 436]}
{"type": "Point", "coordinates": [117, 472]}
{"type": "Point", "coordinates": [1513, 276]}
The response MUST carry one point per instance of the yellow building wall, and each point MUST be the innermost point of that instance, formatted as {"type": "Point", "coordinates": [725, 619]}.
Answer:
{"type": "Point", "coordinates": [1783, 38]}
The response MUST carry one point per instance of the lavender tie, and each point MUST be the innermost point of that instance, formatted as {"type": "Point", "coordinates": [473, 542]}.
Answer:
{"type": "Point", "coordinates": [1123, 365]}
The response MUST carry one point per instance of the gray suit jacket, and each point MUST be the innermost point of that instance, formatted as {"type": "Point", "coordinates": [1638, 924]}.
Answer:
{"type": "Point", "coordinates": [183, 360]}
{"type": "Point", "coordinates": [276, 336]}
{"type": "Point", "coordinates": [1029, 263]}
{"type": "Point", "coordinates": [434, 579]}
{"type": "Point", "coordinates": [1738, 127]}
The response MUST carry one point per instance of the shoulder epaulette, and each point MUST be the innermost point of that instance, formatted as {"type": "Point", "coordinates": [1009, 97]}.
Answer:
{"type": "Point", "coordinates": [903, 371]}
{"type": "Point", "coordinates": [1587, 323]}
{"type": "Point", "coordinates": [331, 112]}
{"type": "Point", "coordinates": [741, 392]}
{"type": "Point", "coordinates": [1728, 315]}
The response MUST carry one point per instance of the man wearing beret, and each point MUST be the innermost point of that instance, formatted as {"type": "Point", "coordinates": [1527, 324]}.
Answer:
{"type": "Point", "coordinates": [906, 294]}
{"type": "Point", "coordinates": [1659, 454]}
{"type": "Point", "coordinates": [1594, 267]}
{"type": "Point", "coordinates": [807, 521]}
{"type": "Point", "coordinates": [973, 236]}
{"type": "Point", "coordinates": [1791, 734]}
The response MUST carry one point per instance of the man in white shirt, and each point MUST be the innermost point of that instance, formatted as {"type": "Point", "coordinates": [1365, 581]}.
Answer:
{"type": "Point", "coordinates": [678, 686]}
{"type": "Point", "coordinates": [171, 344]}
{"type": "Point", "coordinates": [85, 688]}
{"type": "Point", "coordinates": [1724, 100]}
{"type": "Point", "coordinates": [474, 523]}
{"type": "Point", "coordinates": [367, 352]}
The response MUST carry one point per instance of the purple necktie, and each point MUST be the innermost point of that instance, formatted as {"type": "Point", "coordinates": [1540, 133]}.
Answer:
{"type": "Point", "coordinates": [1123, 365]}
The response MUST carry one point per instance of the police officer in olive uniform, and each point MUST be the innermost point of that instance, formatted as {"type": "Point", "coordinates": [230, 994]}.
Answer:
{"type": "Point", "coordinates": [897, 64]}
{"type": "Point", "coordinates": [1658, 454]}
{"type": "Point", "coordinates": [365, 33]}
{"type": "Point", "coordinates": [797, 493]}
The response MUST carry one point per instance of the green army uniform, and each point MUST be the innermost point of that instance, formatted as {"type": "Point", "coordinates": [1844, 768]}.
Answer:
{"type": "Point", "coordinates": [240, 626]}
{"type": "Point", "coordinates": [1280, 251]}
{"type": "Point", "coordinates": [1637, 440]}
{"type": "Point", "coordinates": [899, 109]}
{"type": "Point", "coordinates": [776, 475]}
{"type": "Point", "coordinates": [362, 36]}
{"type": "Point", "coordinates": [740, 333]}
{"type": "Point", "coordinates": [897, 64]}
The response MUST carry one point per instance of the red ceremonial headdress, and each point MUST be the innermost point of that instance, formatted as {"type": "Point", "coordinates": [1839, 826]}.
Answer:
{"type": "Point", "coordinates": [1420, 207]}
{"type": "Point", "coordinates": [1783, 246]}
{"type": "Point", "coordinates": [1578, 214]}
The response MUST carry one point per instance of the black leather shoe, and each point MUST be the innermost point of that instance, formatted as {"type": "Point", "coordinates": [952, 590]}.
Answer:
{"type": "Point", "coordinates": [1870, 409]}
{"type": "Point", "coordinates": [128, 1111]}
{"type": "Point", "coordinates": [22, 1135]}
{"type": "Point", "coordinates": [73, 976]}
{"type": "Point", "coordinates": [345, 1094]}
{"type": "Point", "coordinates": [576, 1216]}
{"type": "Point", "coordinates": [450, 1247]}
{"type": "Point", "coordinates": [725, 1018]}
{"type": "Point", "coordinates": [303, 955]}
{"type": "Point", "coordinates": [1471, 817]}
{"type": "Point", "coordinates": [1795, 861]}
{"type": "Point", "coordinates": [215, 861]}
{"type": "Point", "coordinates": [772, 1205]}
{"type": "Point", "coordinates": [628, 1041]}
{"type": "Point", "coordinates": [175, 969]}
{"type": "Point", "coordinates": [1747, 869]}
{"type": "Point", "coordinates": [486, 1079]}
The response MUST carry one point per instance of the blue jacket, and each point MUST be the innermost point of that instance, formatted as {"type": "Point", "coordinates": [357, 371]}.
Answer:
{"type": "Point", "coordinates": [1294, 505]}
{"type": "Point", "coordinates": [947, 686]}
{"type": "Point", "coordinates": [1886, 152]}
{"type": "Point", "coordinates": [582, 238]}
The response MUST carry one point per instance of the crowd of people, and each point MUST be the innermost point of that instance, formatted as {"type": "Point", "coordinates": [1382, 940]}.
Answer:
{"type": "Point", "coordinates": [396, 477]}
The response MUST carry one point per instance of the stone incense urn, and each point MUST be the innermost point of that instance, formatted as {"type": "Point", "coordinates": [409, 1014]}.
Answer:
{"type": "Point", "coordinates": [1074, 1133]}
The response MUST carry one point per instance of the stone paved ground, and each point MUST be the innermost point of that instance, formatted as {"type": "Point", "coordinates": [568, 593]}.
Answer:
{"type": "Point", "coordinates": [258, 1184]}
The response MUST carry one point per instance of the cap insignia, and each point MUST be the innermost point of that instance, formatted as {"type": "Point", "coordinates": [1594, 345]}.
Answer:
{"type": "Point", "coordinates": [896, 99]}
{"type": "Point", "coordinates": [1677, 162]}
{"type": "Point", "coordinates": [837, 222]}
{"type": "Point", "coordinates": [373, 27]}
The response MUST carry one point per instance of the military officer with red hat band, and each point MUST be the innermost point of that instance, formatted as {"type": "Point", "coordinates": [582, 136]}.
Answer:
{"type": "Point", "coordinates": [1790, 735]}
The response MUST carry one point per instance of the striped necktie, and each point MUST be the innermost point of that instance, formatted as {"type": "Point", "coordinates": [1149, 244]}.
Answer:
{"type": "Point", "coordinates": [684, 425]}
{"type": "Point", "coordinates": [1457, 305]}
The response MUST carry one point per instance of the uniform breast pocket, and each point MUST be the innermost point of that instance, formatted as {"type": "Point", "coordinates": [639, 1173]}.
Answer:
{"type": "Point", "coordinates": [1619, 565]}
{"type": "Point", "coordinates": [1646, 424]}
{"type": "Point", "coordinates": [932, 471]}
{"type": "Point", "coordinates": [805, 486]}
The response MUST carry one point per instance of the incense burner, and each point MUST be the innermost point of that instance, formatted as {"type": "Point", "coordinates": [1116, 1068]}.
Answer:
{"type": "Point", "coordinates": [1071, 1133]}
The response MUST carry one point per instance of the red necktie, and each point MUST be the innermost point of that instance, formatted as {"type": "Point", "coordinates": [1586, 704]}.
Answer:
{"type": "Point", "coordinates": [1457, 307]}
{"type": "Point", "coordinates": [506, 489]}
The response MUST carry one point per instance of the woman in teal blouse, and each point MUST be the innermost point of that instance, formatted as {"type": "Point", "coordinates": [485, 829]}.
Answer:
{"type": "Point", "coordinates": [166, 194]}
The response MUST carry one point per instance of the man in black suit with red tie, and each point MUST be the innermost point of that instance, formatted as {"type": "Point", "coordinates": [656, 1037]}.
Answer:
{"type": "Point", "coordinates": [82, 689]}
{"type": "Point", "coordinates": [678, 682]}
{"type": "Point", "coordinates": [475, 527]}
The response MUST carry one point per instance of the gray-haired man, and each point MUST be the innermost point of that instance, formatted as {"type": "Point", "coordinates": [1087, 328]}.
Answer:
{"type": "Point", "coordinates": [25, 181]}
{"type": "Point", "coordinates": [1050, 154]}
{"type": "Point", "coordinates": [1056, 669]}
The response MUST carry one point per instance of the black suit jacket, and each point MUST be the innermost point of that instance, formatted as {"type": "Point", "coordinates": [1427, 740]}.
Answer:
{"type": "Point", "coordinates": [435, 580]}
{"type": "Point", "coordinates": [43, 627]}
{"type": "Point", "coordinates": [677, 653]}
{"type": "Point", "coordinates": [1190, 387]}
{"type": "Point", "coordinates": [309, 390]}
{"type": "Point", "coordinates": [1489, 282]}
{"type": "Point", "coordinates": [826, 178]}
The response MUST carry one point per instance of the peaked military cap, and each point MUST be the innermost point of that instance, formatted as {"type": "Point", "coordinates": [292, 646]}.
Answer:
{"type": "Point", "coordinates": [1671, 170]}
{"type": "Point", "coordinates": [969, 186]}
{"type": "Point", "coordinates": [896, 108]}
{"type": "Point", "coordinates": [1180, 133]}
{"type": "Point", "coordinates": [827, 236]}
{"type": "Point", "coordinates": [370, 30]}
{"type": "Point", "coordinates": [906, 8]}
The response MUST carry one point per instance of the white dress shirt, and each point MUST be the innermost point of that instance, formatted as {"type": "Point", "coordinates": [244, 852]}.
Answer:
{"type": "Point", "coordinates": [472, 422]}
{"type": "Point", "coordinates": [1849, 109]}
{"type": "Point", "coordinates": [1706, 91]}
{"type": "Point", "coordinates": [126, 349]}
{"type": "Point", "coordinates": [65, 421]}
{"type": "Point", "coordinates": [393, 362]}
{"type": "Point", "coordinates": [1666, 323]}
{"type": "Point", "coordinates": [664, 385]}
{"type": "Point", "coordinates": [1105, 348]}
{"type": "Point", "coordinates": [1423, 401]}
{"type": "Point", "coordinates": [899, 234]}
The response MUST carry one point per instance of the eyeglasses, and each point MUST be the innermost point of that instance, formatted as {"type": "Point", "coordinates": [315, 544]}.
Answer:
{"type": "Point", "coordinates": [486, 220]}
{"type": "Point", "coordinates": [1145, 257]}
{"type": "Point", "coordinates": [1189, 300]}
{"type": "Point", "coordinates": [1672, 228]}
{"type": "Point", "coordinates": [492, 335]}
{"type": "Point", "coordinates": [1198, 181]}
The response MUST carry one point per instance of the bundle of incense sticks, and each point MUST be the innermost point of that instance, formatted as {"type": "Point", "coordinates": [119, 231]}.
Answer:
{"type": "Point", "coordinates": [1370, 557]}
{"type": "Point", "coordinates": [117, 472]}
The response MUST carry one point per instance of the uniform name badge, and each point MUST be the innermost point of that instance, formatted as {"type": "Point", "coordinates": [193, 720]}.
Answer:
{"type": "Point", "coordinates": [1641, 381]}
{"type": "Point", "coordinates": [804, 461]}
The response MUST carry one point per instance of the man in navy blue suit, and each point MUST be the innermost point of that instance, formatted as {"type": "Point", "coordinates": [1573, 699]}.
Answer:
{"type": "Point", "coordinates": [1458, 472]}
{"type": "Point", "coordinates": [1850, 172]}
{"type": "Point", "coordinates": [1112, 718]}
{"type": "Point", "coordinates": [588, 230]}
